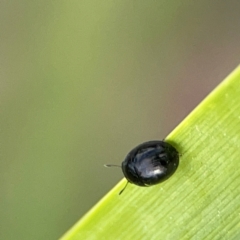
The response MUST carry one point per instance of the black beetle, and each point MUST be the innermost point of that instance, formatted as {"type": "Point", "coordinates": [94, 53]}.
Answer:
{"type": "Point", "coordinates": [149, 163]}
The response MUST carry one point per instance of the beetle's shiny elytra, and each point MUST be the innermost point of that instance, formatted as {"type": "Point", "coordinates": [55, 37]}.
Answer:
{"type": "Point", "coordinates": [150, 163]}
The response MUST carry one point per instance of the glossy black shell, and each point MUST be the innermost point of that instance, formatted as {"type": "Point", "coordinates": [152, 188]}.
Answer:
{"type": "Point", "coordinates": [150, 163]}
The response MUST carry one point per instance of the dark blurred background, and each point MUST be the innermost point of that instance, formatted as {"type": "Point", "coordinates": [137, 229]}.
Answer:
{"type": "Point", "coordinates": [82, 82]}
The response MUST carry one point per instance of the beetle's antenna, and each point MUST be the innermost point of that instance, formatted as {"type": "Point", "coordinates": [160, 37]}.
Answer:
{"type": "Point", "coordinates": [111, 165]}
{"type": "Point", "coordinates": [123, 188]}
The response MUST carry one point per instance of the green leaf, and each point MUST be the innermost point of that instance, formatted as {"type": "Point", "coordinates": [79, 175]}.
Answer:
{"type": "Point", "coordinates": [201, 200]}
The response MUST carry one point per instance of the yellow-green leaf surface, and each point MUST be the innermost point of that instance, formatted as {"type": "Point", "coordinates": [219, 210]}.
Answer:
{"type": "Point", "coordinates": [200, 201]}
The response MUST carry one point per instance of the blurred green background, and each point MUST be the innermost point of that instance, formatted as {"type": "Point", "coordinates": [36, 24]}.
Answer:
{"type": "Point", "coordinates": [82, 82]}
